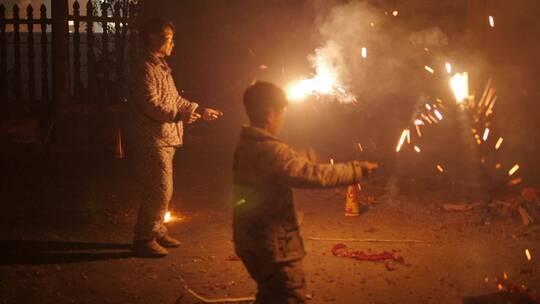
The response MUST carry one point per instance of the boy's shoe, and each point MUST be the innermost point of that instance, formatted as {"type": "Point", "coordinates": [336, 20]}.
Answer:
{"type": "Point", "coordinates": [149, 249]}
{"type": "Point", "coordinates": [168, 242]}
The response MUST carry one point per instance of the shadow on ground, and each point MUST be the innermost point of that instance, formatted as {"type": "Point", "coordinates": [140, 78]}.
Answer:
{"type": "Point", "coordinates": [53, 252]}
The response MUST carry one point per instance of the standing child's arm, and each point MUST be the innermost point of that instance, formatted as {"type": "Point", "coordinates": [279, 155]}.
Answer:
{"type": "Point", "coordinates": [299, 172]}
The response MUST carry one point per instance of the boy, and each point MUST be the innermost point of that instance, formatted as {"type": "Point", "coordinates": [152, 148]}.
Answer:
{"type": "Point", "coordinates": [266, 232]}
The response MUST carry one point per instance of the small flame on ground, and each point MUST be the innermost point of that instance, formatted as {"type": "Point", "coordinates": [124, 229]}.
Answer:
{"type": "Point", "coordinates": [491, 21]}
{"type": "Point", "coordinates": [440, 168]}
{"type": "Point", "coordinates": [486, 134]}
{"type": "Point", "coordinates": [364, 52]}
{"type": "Point", "coordinates": [429, 69]}
{"type": "Point", "coordinates": [168, 217]}
{"type": "Point", "coordinates": [513, 170]}
{"type": "Point", "coordinates": [417, 149]}
{"type": "Point", "coordinates": [438, 114]}
{"type": "Point", "coordinates": [460, 86]}
{"type": "Point", "coordinates": [395, 13]}
{"type": "Point", "coordinates": [499, 143]}
{"type": "Point", "coordinates": [448, 68]}
{"type": "Point", "coordinates": [528, 255]}
{"type": "Point", "coordinates": [402, 139]}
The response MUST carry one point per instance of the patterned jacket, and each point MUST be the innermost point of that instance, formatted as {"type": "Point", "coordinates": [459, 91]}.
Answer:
{"type": "Point", "coordinates": [155, 104]}
{"type": "Point", "coordinates": [265, 171]}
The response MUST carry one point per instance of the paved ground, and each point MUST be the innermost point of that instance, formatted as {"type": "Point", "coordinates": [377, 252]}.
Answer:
{"type": "Point", "coordinates": [66, 227]}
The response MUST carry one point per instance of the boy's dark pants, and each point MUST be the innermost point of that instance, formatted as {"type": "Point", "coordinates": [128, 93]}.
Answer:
{"type": "Point", "coordinates": [277, 282]}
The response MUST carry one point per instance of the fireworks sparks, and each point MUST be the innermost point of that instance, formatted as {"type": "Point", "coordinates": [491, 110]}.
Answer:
{"type": "Point", "coordinates": [513, 170]}
{"type": "Point", "coordinates": [499, 143]}
{"type": "Point", "coordinates": [440, 168]}
{"type": "Point", "coordinates": [438, 114]}
{"type": "Point", "coordinates": [395, 13]}
{"type": "Point", "coordinates": [486, 134]}
{"type": "Point", "coordinates": [491, 21]}
{"type": "Point", "coordinates": [528, 255]}
{"type": "Point", "coordinates": [448, 68]}
{"type": "Point", "coordinates": [429, 69]}
{"type": "Point", "coordinates": [331, 161]}
{"type": "Point", "coordinates": [417, 149]}
{"type": "Point", "coordinates": [402, 138]}
{"type": "Point", "coordinates": [364, 52]}
{"type": "Point", "coordinates": [460, 86]}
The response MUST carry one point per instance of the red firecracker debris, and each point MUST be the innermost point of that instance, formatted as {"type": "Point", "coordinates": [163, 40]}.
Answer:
{"type": "Point", "coordinates": [232, 258]}
{"type": "Point", "coordinates": [341, 250]}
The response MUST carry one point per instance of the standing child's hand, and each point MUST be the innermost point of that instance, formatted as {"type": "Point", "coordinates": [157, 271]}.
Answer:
{"type": "Point", "coordinates": [368, 167]}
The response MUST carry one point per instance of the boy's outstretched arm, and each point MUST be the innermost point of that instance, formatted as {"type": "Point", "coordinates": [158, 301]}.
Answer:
{"type": "Point", "coordinates": [300, 172]}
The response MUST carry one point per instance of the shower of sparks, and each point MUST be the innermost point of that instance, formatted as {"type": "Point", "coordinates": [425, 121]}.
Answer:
{"type": "Point", "coordinates": [448, 68]}
{"type": "Point", "coordinates": [438, 114]}
{"type": "Point", "coordinates": [429, 69]}
{"type": "Point", "coordinates": [528, 255]}
{"type": "Point", "coordinates": [418, 130]}
{"type": "Point", "coordinates": [491, 21]}
{"type": "Point", "coordinates": [513, 170]}
{"type": "Point", "coordinates": [499, 143]}
{"type": "Point", "coordinates": [364, 52]}
{"type": "Point", "coordinates": [486, 134]}
{"type": "Point", "coordinates": [418, 122]}
{"type": "Point", "coordinates": [460, 86]}
{"type": "Point", "coordinates": [402, 139]}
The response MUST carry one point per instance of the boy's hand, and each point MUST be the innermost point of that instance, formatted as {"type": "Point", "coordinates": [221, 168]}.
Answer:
{"type": "Point", "coordinates": [368, 167]}
{"type": "Point", "coordinates": [211, 114]}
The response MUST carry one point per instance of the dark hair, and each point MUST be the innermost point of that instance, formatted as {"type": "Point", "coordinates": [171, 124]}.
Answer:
{"type": "Point", "coordinates": [154, 26]}
{"type": "Point", "coordinates": [260, 98]}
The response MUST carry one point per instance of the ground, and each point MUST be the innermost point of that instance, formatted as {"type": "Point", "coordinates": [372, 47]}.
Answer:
{"type": "Point", "coordinates": [66, 228]}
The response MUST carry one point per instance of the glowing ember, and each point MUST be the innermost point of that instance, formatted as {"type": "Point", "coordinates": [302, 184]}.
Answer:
{"type": "Point", "coordinates": [440, 168]}
{"type": "Point", "coordinates": [513, 170]}
{"type": "Point", "coordinates": [418, 122]}
{"type": "Point", "coordinates": [395, 13]}
{"type": "Point", "coordinates": [429, 69]}
{"type": "Point", "coordinates": [360, 148]}
{"type": "Point", "coordinates": [500, 286]}
{"type": "Point", "coordinates": [416, 149]}
{"type": "Point", "coordinates": [516, 181]}
{"type": "Point", "coordinates": [491, 21]}
{"type": "Point", "coordinates": [332, 161]}
{"type": "Point", "coordinates": [505, 275]}
{"type": "Point", "coordinates": [438, 114]}
{"type": "Point", "coordinates": [364, 52]}
{"type": "Point", "coordinates": [528, 254]}
{"type": "Point", "coordinates": [402, 139]}
{"type": "Point", "coordinates": [448, 67]}
{"type": "Point", "coordinates": [486, 134]}
{"type": "Point", "coordinates": [418, 131]}
{"type": "Point", "coordinates": [460, 86]}
{"type": "Point", "coordinates": [408, 136]}
{"type": "Point", "coordinates": [499, 143]}
{"type": "Point", "coordinates": [428, 107]}
{"type": "Point", "coordinates": [498, 166]}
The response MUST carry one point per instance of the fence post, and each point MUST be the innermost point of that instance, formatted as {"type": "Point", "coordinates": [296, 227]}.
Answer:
{"type": "Point", "coordinates": [60, 54]}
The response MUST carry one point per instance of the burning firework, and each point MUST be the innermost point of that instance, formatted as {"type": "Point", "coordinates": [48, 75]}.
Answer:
{"type": "Point", "coordinates": [460, 86]}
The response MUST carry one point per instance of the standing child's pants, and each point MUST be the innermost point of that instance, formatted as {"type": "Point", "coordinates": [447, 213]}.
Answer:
{"type": "Point", "coordinates": [277, 282]}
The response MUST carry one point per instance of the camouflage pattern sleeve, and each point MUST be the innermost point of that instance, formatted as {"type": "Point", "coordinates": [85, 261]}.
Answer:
{"type": "Point", "coordinates": [185, 105]}
{"type": "Point", "coordinates": [160, 107]}
{"type": "Point", "coordinates": [300, 172]}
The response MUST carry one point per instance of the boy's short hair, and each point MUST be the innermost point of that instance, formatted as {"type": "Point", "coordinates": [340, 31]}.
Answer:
{"type": "Point", "coordinates": [260, 98]}
{"type": "Point", "coordinates": [154, 26]}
